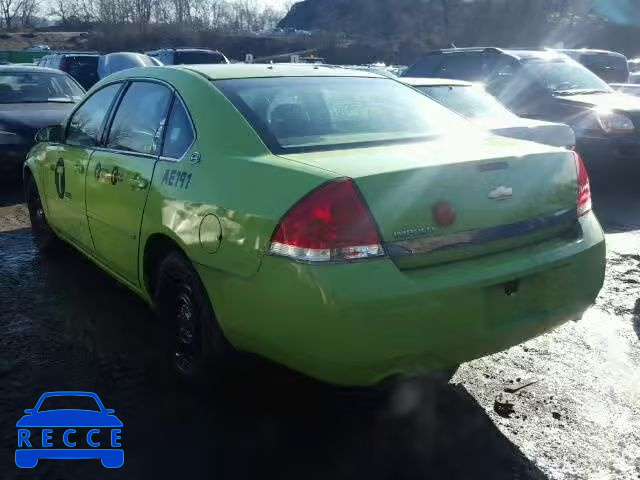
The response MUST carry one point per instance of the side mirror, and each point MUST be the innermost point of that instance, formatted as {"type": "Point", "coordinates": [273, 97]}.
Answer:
{"type": "Point", "coordinates": [51, 134]}
{"type": "Point", "coordinates": [29, 411]}
{"type": "Point", "coordinates": [109, 411]}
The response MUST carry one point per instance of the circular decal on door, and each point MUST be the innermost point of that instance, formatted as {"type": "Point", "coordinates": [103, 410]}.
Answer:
{"type": "Point", "coordinates": [60, 181]}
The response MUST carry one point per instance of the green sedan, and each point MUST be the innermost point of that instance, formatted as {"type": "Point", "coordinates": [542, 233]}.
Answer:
{"type": "Point", "coordinates": [337, 222]}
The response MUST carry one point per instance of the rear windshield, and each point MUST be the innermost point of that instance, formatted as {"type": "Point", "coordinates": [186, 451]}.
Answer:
{"type": "Point", "coordinates": [35, 87]}
{"type": "Point", "coordinates": [469, 101]}
{"type": "Point", "coordinates": [198, 57]}
{"type": "Point", "coordinates": [319, 113]}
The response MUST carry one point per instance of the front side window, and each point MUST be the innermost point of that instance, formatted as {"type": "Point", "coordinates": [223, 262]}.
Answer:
{"type": "Point", "coordinates": [38, 87]}
{"type": "Point", "coordinates": [314, 113]}
{"type": "Point", "coordinates": [469, 101]}
{"type": "Point", "coordinates": [179, 133]}
{"type": "Point", "coordinates": [86, 123]}
{"type": "Point", "coordinates": [137, 125]}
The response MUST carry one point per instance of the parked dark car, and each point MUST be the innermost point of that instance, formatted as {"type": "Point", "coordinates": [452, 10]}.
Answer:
{"type": "Point", "coordinates": [81, 66]}
{"type": "Point", "coordinates": [188, 56]}
{"type": "Point", "coordinates": [612, 67]}
{"type": "Point", "coordinates": [548, 85]}
{"type": "Point", "coordinates": [30, 98]}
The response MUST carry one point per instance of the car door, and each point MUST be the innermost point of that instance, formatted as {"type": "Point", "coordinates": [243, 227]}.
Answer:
{"type": "Point", "coordinates": [120, 173]}
{"type": "Point", "coordinates": [68, 162]}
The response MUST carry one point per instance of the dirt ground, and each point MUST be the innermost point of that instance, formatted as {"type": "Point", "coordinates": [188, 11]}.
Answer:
{"type": "Point", "coordinates": [564, 406]}
{"type": "Point", "coordinates": [55, 40]}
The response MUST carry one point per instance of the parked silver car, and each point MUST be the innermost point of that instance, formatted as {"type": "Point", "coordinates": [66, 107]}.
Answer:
{"type": "Point", "coordinates": [473, 102]}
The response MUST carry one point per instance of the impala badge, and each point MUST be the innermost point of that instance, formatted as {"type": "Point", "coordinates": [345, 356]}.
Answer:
{"type": "Point", "coordinates": [501, 193]}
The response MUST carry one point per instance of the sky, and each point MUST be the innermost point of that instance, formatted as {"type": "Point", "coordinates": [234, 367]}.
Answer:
{"type": "Point", "coordinates": [273, 3]}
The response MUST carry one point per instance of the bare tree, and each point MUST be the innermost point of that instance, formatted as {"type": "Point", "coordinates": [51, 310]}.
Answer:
{"type": "Point", "coordinates": [27, 12]}
{"type": "Point", "coordinates": [10, 9]}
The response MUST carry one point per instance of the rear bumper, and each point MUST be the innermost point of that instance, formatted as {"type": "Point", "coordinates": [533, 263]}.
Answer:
{"type": "Point", "coordinates": [356, 324]}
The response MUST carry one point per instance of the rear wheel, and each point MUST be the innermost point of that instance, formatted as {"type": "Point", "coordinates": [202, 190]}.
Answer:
{"type": "Point", "coordinates": [43, 236]}
{"type": "Point", "coordinates": [195, 346]}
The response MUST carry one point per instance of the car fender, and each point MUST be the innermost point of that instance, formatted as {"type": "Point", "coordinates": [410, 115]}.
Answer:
{"type": "Point", "coordinates": [34, 165]}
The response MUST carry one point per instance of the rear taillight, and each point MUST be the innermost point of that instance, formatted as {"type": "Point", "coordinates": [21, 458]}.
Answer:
{"type": "Point", "coordinates": [584, 188]}
{"type": "Point", "coordinates": [331, 224]}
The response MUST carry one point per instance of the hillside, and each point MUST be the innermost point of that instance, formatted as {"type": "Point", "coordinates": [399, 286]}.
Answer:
{"type": "Point", "coordinates": [56, 40]}
{"type": "Point", "coordinates": [364, 17]}
{"type": "Point", "coordinates": [415, 24]}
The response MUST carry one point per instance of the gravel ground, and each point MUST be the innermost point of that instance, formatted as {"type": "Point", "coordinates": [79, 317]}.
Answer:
{"type": "Point", "coordinates": [563, 406]}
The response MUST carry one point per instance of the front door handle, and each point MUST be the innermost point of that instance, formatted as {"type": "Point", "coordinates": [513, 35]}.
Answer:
{"type": "Point", "coordinates": [138, 183]}
{"type": "Point", "coordinates": [78, 167]}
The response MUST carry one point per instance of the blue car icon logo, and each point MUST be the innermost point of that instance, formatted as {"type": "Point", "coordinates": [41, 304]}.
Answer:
{"type": "Point", "coordinates": [71, 426]}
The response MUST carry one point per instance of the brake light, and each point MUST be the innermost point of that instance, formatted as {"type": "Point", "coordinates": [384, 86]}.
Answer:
{"type": "Point", "coordinates": [584, 187]}
{"type": "Point", "coordinates": [330, 224]}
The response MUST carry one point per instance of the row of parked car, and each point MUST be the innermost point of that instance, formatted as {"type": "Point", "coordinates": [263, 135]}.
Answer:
{"type": "Point", "coordinates": [548, 85]}
{"type": "Point", "coordinates": [545, 96]}
{"type": "Point", "coordinates": [88, 68]}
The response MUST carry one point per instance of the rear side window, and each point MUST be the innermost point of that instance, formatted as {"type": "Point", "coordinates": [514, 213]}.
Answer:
{"type": "Point", "coordinates": [136, 129]}
{"type": "Point", "coordinates": [179, 132]}
{"type": "Point", "coordinates": [86, 123]}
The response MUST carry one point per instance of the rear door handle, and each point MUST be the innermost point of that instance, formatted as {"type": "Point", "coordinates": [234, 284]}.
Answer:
{"type": "Point", "coordinates": [138, 183]}
{"type": "Point", "coordinates": [78, 167]}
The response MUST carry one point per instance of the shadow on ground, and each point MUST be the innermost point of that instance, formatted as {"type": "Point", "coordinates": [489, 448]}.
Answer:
{"type": "Point", "coordinates": [67, 326]}
{"type": "Point", "coordinates": [616, 201]}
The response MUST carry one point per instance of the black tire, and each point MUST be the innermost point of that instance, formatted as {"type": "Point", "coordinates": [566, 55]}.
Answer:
{"type": "Point", "coordinates": [43, 236]}
{"type": "Point", "coordinates": [196, 349]}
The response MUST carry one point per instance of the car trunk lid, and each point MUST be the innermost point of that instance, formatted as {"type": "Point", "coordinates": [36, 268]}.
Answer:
{"type": "Point", "coordinates": [451, 199]}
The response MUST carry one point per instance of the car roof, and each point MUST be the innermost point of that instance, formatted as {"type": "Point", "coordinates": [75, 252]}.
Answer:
{"type": "Point", "coordinates": [28, 69]}
{"type": "Point", "coordinates": [242, 70]}
{"type": "Point", "coordinates": [434, 82]}
{"type": "Point", "coordinates": [517, 53]}
{"type": "Point", "coordinates": [589, 51]}
{"type": "Point", "coordinates": [186, 49]}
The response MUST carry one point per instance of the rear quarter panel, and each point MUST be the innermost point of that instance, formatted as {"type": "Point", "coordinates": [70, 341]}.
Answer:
{"type": "Point", "coordinates": [237, 180]}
